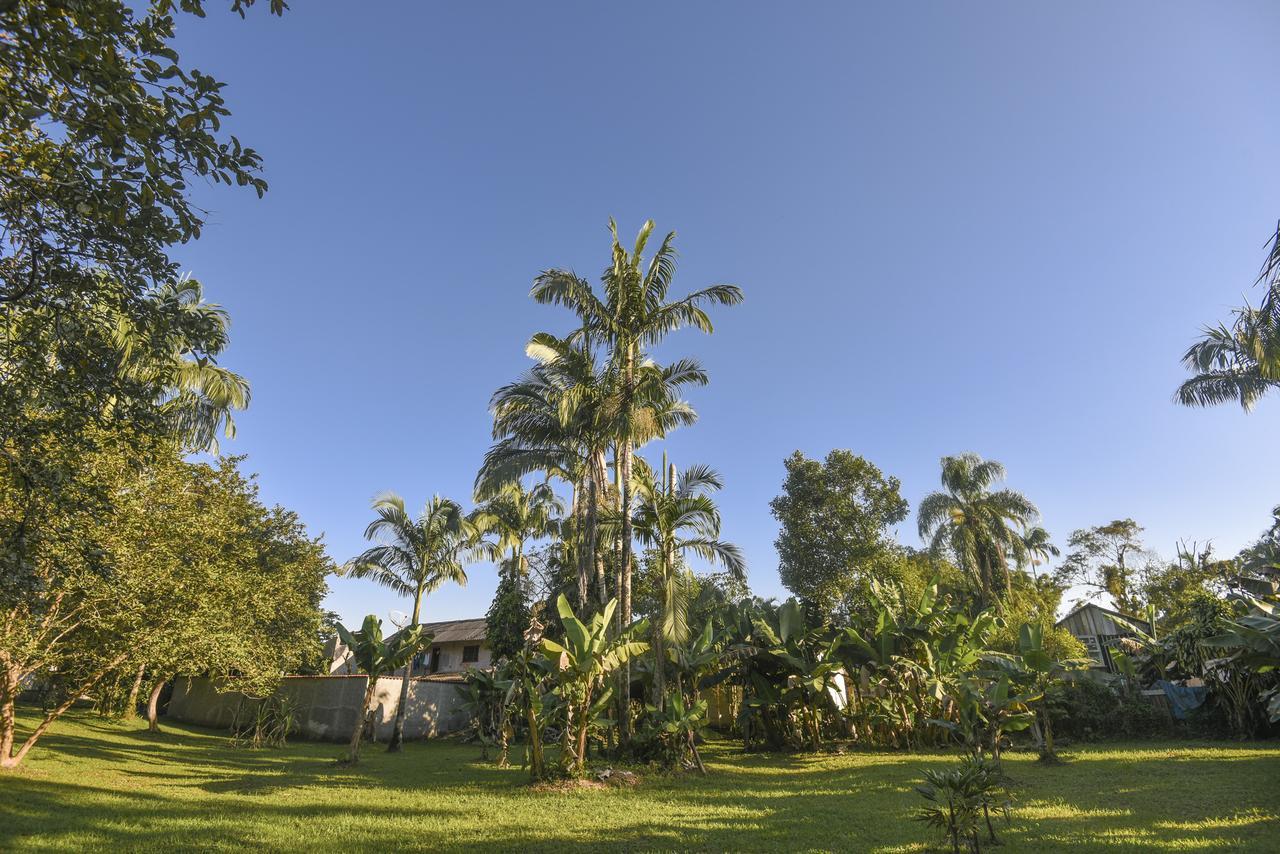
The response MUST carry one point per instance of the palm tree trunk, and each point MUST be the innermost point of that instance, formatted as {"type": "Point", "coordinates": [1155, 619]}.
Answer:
{"type": "Point", "coordinates": [624, 592]}
{"type": "Point", "coordinates": [579, 535]}
{"type": "Point", "coordinates": [600, 476]}
{"type": "Point", "coordinates": [397, 731]}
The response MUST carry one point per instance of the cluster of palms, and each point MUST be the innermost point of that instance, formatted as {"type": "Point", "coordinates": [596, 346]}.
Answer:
{"type": "Point", "coordinates": [577, 417]}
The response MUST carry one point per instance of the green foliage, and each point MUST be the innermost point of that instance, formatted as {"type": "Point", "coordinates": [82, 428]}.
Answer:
{"type": "Point", "coordinates": [835, 516]}
{"type": "Point", "coordinates": [1103, 558]}
{"type": "Point", "coordinates": [1240, 362]}
{"type": "Point", "coordinates": [103, 132]}
{"type": "Point", "coordinates": [581, 663]}
{"type": "Point", "coordinates": [508, 615]}
{"type": "Point", "coordinates": [981, 528]}
{"type": "Point", "coordinates": [960, 800]}
{"type": "Point", "coordinates": [183, 572]}
{"type": "Point", "coordinates": [1087, 709]}
{"type": "Point", "coordinates": [264, 723]}
{"type": "Point", "coordinates": [378, 657]}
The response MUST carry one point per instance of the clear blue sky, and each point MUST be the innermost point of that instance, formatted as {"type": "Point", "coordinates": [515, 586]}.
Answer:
{"type": "Point", "coordinates": [988, 227]}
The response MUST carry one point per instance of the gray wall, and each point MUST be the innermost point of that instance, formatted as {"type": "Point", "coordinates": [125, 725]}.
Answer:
{"type": "Point", "coordinates": [329, 706]}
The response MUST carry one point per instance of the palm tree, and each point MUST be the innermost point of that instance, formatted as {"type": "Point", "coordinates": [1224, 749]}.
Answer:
{"type": "Point", "coordinates": [675, 516]}
{"type": "Point", "coordinates": [1239, 362]}
{"type": "Point", "coordinates": [634, 313]}
{"type": "Point", "coordinates": [981, 528]}
{"type": "Point", "coordinates": [199, 394]}
{"type": "Point", "coordinates": [414, 557]}
{"type": "Point", "coordinates": [516, 515]}
{"type": "Point", "coordinates": [560, 419]}
{"type": "Point", "coordinates": [1037, 548]}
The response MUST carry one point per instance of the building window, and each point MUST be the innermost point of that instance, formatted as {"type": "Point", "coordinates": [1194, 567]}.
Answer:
{"type": "Point", "coordinates": [435, 659]}
{"type": "Point", "coordinates": [470, 654]}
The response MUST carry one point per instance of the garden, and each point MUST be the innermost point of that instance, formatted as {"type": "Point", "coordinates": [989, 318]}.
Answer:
{"type": "Point", "coordinates": [908, 692]}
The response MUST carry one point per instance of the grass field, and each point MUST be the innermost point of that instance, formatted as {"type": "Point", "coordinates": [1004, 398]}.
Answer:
{"type": "Point", "coordinates": [93, 784]}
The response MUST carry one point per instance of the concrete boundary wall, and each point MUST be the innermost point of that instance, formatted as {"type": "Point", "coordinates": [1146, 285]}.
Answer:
{"type": "Point", "coordinates": [329, 706]}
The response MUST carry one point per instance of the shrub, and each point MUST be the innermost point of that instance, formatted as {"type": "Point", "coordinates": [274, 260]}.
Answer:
{"type": "Point", "coordinates": [1086, 709]}
{"type": "Point", "coordinates": [961, 799]}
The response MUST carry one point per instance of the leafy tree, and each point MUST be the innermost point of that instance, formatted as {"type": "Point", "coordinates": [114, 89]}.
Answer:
{"type": "Point", "coordinates": [1037, 548]}
{"type": "Point", "coordinates": [508, 615]}
{"type": "Point", "coordinates": [1171, 589]}
{"type": "Point", "coordinates": [378, 657]}
{"type": "Point", "coordinates": [1239, 362]}
{"type": "Point", "coordinates": [414, 558]}
{"type": "Point", "coordinates": [103, 133]}
{"type": "Point", "coordinates": [981, 528]}
{"type": "Point", "coordinates": [186, 574]}
{"type": "Point", "coordinates": [1105, 559]}
{"type": "Point", "coordinates": [1259, 564]}
{"type": "Point", "coordinates": [835, 516]}
{"type": "Point", "coordinates": [514, 516]}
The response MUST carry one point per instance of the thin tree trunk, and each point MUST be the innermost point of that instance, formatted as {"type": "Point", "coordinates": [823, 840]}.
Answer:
{"type": "Point", "coordinates": [11, 759]}
{"type": "Point", "coordinates": [397, 731]}
{"type": "Point", "coordinates": [625, 591]}
{"type": "Point", "coordinates": [8, 719]}
{"type": "Point", "coordinates": [153, 706]}
{"type": "Point", "coordinates": [353, 748]}
{"type": "Point", "coordinates": [599, 477]}
{"type": "Point", "coordinates": [131, 705]}
{"type": "Point", "coordinates": [580, 514]}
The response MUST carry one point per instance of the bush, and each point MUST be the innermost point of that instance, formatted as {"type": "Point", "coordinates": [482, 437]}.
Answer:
{"type": "Point", "coordinates": [1086, 710]}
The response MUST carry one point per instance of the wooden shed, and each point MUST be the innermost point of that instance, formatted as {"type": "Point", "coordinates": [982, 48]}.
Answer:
{"type": "Point", "coordinates": [1097, 629]}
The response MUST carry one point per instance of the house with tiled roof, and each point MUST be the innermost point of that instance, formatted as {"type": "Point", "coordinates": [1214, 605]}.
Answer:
{"type": "Point", "coordinates": [456, 646]}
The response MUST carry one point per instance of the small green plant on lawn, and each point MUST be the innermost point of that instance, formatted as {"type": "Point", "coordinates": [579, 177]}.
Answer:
{"type": "Point", "coordinates": [264, 723]}
{"type": "Point", "coordinates": [960, 800]}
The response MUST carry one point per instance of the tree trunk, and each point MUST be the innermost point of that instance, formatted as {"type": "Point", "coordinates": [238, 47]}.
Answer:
{"type": "Point", "coordinates": [536, 770]}
{"type": "Point", "coordinates": [153, 706]}
{"type": "Point", "coordinates": [11, 759]}
{"type": "Point", "coordinates": [8, 719]}
{"type": "Point", "coordinates": [580, 525]}
{"type": "Point", "coordinates": [600, 476]}
{"type": "Point", "coordinates": [625, 592]}
{"type": "Point", "coordinates": [353, 748]}
{"type": "Point", "coordinates": [131, 705]}
{"type": "Point", "coordinates": [397, 730]}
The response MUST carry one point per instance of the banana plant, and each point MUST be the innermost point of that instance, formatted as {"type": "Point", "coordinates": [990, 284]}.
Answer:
{"type": "Point", "coordinates": [1253, 641]}
{"type": "Point", "coordinates": [377, 657]}
{"type": "Point", "coordinates": [1043, 670]}
{"type": "Point", "coordinates": [581, 664]}
{"type": "Point", "coordinates": [678, 726]}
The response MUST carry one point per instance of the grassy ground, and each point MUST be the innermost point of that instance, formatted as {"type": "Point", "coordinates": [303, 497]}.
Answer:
{"type": "Point", "coordinates": [93, 784]}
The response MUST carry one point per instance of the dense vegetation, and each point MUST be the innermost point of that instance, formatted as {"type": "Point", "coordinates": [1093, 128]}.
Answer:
{"type": "Point", "coordinates": [623, 624]}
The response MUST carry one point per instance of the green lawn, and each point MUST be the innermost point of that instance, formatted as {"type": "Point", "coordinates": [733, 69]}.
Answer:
{"type": "Point", "coordinates": [95, 784]}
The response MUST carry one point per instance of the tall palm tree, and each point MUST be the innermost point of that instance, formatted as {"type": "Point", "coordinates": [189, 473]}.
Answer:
{"type": "Point", "coordinates": [632, 314]}
{"type": "Point", "coordinates": [199, 395]}
{"type": "Point", "coordinates": [1239, 362]}
{"type": "Point", "coordinates": [1037, 548]}
{"type": "Point", "coordinates": [676, 517]}
{"type": "Point", "coordinates": [413, 558]}
{"type": "Point", "coordinates": [981, 528]}
{"type": "Point", "coordinates": [560, 419]}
